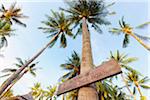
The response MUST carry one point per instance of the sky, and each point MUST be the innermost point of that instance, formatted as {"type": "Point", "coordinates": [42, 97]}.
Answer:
{"type": "Point", "coordinates": [28, 41]}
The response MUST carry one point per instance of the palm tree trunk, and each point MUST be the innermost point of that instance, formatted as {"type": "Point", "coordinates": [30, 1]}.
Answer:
{"type": "Point", "coordinates": [11, 85]}
{"type": "Point", "coordinates": [88, 92]}
{"type": "Point", "coordinates": [128, 87]}
{"type": "Point", "coordinates": [137, 85]}
{"type": "Point", "coordinates": [140, 41]}
{"type": "Point", "coordinates": [15, 75]}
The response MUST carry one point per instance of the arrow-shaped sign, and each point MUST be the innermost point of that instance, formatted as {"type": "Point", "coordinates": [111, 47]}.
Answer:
{"type": "Point", "coordinates": [107, 69]}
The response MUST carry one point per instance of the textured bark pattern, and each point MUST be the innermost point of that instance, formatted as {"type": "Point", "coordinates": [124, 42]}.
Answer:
{"type": "Point", "coordinates": [86, 93]}
{"type": "Point", "coordinates": [87, 60]}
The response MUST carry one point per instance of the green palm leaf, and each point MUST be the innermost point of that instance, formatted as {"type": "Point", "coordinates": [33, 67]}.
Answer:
{"type": "Point", "coordinates": [145, 86]}
{"type": "Point", "coordinates": [57, 25]}
{"type": "Point", "coordinates": [143, 25]}
{"type": "Point", "coordinates": [126, 40]}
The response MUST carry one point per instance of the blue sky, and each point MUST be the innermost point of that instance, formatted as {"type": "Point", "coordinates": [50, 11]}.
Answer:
{"type": "Point", "coordinates": [28, 40]}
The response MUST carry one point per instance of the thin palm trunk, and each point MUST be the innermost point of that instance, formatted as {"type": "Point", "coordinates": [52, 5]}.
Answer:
{"type": "Point", "coordinates": [89, 92]}
{"type": "Point", "coordinates": [126, 84]}
{"type": "Point", "coordinates": [11, 85]}
{"type": "Point", "coordinates": [63, 97]}
{"type": "Point", "coordinates": [137, 85]}
{"type": "Point", "coordinates": [14, 76]}
{"type": "Point", "coordinates": [140, 41]}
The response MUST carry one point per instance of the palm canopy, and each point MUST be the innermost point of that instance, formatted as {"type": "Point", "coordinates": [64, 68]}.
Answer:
{"type": "Point", "coordinates": [56, 25]}
{"type": "Point", "coordinates": [41, 94]}
{"type": "Point", "coordinates": [5, 30]}
{"type": "Point", "coordinates": [128, 30]}
{"type": "Point", "coordinates": [108, 91]}
{"type": "Point", "coordinates": [94, 11]}
{"type": "Point", "coordinates": [138, 81]}
{"type": "Point", "coordinates": [12, 14]}
{"type": "Point", "coordinates": [10, 71]}
{"type": "Point", "coordinates": [72, 65]}
{"type": "Point", "coordinates": [123, 59]}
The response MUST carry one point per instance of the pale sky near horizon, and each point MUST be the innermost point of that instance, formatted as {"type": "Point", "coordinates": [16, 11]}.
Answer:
{"type": "Point", "coordinates": [28, 40]}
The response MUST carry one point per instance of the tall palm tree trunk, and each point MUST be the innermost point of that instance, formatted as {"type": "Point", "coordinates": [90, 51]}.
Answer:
{"type": "Point", "coordinates": [88, 92]}
{"type": "Point", "coordinates": [13, 83]}
{"type": "Point", "coordinates": [140, 41]}
{"type": "Point", "coordinates": [15, 75]}
{"type": "Point", "coordinates": [137, 85]}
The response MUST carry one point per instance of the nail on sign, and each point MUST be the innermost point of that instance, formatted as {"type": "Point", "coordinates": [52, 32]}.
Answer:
{"type": "Point", "coordinates": [107, 69]}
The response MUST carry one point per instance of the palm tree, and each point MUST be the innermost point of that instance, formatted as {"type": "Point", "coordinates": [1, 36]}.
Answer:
{"type": "Point", "coordinates": [40, 94]}
{"type": "Point", "coordinates": [72, 65]}
{"type": "Point", "coordinates": [83, 12]}
{"type": "Point", "coordinates": [107, 91]}
{"type": "Point", "coordinates": [9, 71]}
{"type": "Point", "coordinates": [124, 62]}
{"type": "Point", "coordinates": [127, 30]}
{"type": "Point", "coordinates": [73, 95]}
{"type": "Point", "coordinates": [5, 31]}
{"type": "Point", "coordinates": [56, 25]}
{"type": "Point", "coordinates": [8, 94]}
{"type": "Point", "coordinates": [37, 91]}
{"type": "Point", "coordinates": [12, 14]}
{"type": "Point", "coordinates": [134, 78]}
{"type": "Point", "coordinates": [50, 93]}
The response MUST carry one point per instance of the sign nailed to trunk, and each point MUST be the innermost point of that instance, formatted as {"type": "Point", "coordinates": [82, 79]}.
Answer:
{"type": "Point", "coordinates": [107, 69]}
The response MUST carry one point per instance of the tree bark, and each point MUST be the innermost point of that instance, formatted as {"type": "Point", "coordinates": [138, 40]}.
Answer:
{"type": "Point", "coordinates": [15, 75]}
{"type": "Point", "coordinates": [11, 85]}
{"type": "Point", "coordinates": [88, 92]}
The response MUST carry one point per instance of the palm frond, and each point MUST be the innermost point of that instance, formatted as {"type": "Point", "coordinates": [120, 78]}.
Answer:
{"type": "Point", "coordinates": [20, 61]}
{"type": "Point", "coordinates": [144, 80]}
{"type": "Point", "coordinates": [63, 41]}
{"type": "Point", "coordinates": [12, 6]}
{"type": "Point", "coordinates": [5, 75]}
{"type": "Point", "coordinates": [146, 38]}
{"type": "Point", "coordinates": [8, 70]}
{"type": "Point", "coordinates": [53, 42]}
{"type": "Point", "coordinates": [3, 8]}
{"type": "Point", "coordinates": [143, 25]}
{"type": "Point", "coordinates": [3, 42]}
{"type": "Point", "coordinates": [129, 60]}
{"type": "Point", "coordinates": [145, 86]}
{"type": "Point", "coordinates": [126, 40]}
{"type": "Point", "coordinates": [97, 28]}
{"type": "Point", "coordinates": [115, 31]}
{"type": "Point", "coordinates": [18, 22]}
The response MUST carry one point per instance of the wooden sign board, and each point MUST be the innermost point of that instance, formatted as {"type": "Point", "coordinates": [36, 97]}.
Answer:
{"type": "Point", "coordinates": [107, 69]}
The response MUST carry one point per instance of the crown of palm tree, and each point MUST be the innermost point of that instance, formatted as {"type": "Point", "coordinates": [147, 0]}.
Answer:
{"type": "Point", "coordinates": [123, 59]}
{"type": "Point", "coordinates": [12, 14]}
{"type": "Point", "coordinates": [37, 91]}
{"type": "Point", "coordinates": [135, 78]}
{"type": "Point", "coordinates": [5, 30]}
{"type": "Point", "coordinates": [108, 91]}
{"type": "Point", "coordinates": [58, 23]}
{"type": "Point", "coordinates": [128, 30]}
{"type": "Point", "coordinates": [72, 65]}
{"type": "Point", "coordinates": [94, 11]}
{"type": "Point", "coordinates": [10, 71]}
{"type": "Point", "coordinates": [40, 94]}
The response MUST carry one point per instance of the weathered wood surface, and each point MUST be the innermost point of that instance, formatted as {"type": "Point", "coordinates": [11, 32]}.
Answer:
{"type": "Point", "coordinates": [107, 69]}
